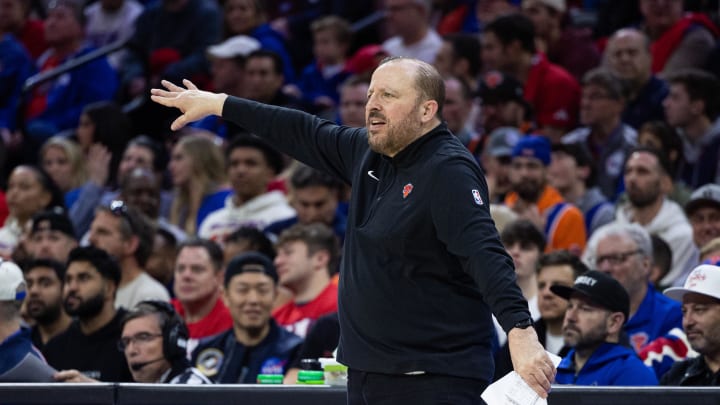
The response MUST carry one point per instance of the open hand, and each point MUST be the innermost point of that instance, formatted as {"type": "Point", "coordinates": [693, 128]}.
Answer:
{"type": "Point", "coordinates": [194, 104]}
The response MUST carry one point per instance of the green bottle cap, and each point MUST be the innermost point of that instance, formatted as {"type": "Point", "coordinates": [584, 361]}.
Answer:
{"type": "Point", "coordinates": [270, 379]}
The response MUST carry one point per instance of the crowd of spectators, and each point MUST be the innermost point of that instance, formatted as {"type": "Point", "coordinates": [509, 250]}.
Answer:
{"type": "Point", "coordinates": [206, 256]}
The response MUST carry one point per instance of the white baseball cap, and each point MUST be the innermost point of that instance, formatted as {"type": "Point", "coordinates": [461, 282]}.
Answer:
{"type": "Point", "coordinates": [11, 278]}
{"type": "Point", "coordinates": [239, 45]}
{"type": "Point", "coordinates": [704, 279]}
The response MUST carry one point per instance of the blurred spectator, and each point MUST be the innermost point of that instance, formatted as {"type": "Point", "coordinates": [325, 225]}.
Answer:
{"type": "Point", "coordinates": [598, 308]}
{"type": "Point", "coordinates": [29, 191]}
{"type": "Point", "coordinates": [503, 104]}
{"type": "Point", "coordinates": [170, 40]}
{"type": "Point", "coordinates": [109, 21]}
{"type": "Point", "coordinates": [247, 239]}
{"type": "Point", "coordinates": [315, 198]}
{"type": "Point", "coordinates": [556, 268]}
{"type": "Point", "coordinates": [486, 11]}
{"type": "Point", "coordinates": [127, 235]}
{"type": "Point", "coordinates": [56, 105]}
{"type": "Point", "coordinates": [139, 189]}
{"type": "Point", "coordinates": [693, 107]}
{"type": "Point", "coordinates": [679, 40]}
{"type": "Point", "coordinates": [496, 159]}
{"type": "Point", "coordinates": [198, 174]}
{"type": "Point", "coordinates": [459, 56]}
{"type": "Point", "coordinates": [64, 161]}
{"type": "Point", "coordinates": [413, 37]}
{"type": "Point", "coordinates": [307, 256]}
{"type": "Point", "coordinates": [51, 236]}
{"type": "Point", "coordinates": [662, 260]}
{"type": "Point", "coordinates": [525, 243]}
{"type": "Point", "coordinates": [353, 96]}
{"type": "Point", "coordinates": [227, 67]}
{"type": "Point", "coordinates": [647, 181]}
{"type": "Point", "coordinates": [710, 252]}
{"type": "Point", "coordinates": [573, 174]}
{"type": "Point", "coordinates": [249, 17]}
{"type": "Point", "coordinates": [457, 113]}
{"type": "Point", "coordinates": [105, 124]}
{"type": "Point", "coordinates": [627, 56]}
{"type": "Point", "coordinates": [90, 342]}
{"type": "Point", "coordinates": [15, 67]}
{"type": "Point", "coordinates": [154, 360]}
{"type": "Point", "coordinates": [227, 63]}
{"type": "Point", "coordinates": [320, 81]}
{"type": "Point", "coordinates": [570, 47]}
{"type": "Point", "coordinates": [255, 344]}
{"type": "Point", "coordinates": [534, 199]}
{"type": "Point", "coordinates": [22, 362]}
{"type": "Point", "coordinates": [624, 251]}
{"type": "Point", "coordinates": [44, 303]}
{"type": "Point", "coordinates": [508, 44]}
{"type": "Point", "coordinates": [161, 263]}
{"type": "Point", "coordinates": [703, 212]}
{"type": "Point", "coordinates": [141, 152]}
{"type": "Point", "coordinates": [198, 285]}
{"type": "Point", "coordinates": [252, 165]}
{"type": "Point", "coordinates": [264, 80]}
{"type": "Point", "coordinates": [662, 137]}
{"type": "Point", "coordinates": [16, 19]}
{"type": "Point", "coordinates": [603, 133]}
{"type": "Point", "coordinates": [700, 298]}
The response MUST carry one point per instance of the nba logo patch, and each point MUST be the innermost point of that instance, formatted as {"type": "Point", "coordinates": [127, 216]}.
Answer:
{"type": "Point", "coordinates": [476, 197]}
{"type": "Point", "coordinates": [407, 190]}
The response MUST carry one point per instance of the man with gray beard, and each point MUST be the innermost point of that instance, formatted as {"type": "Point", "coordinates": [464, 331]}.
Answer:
{"type": "Point", "coordinates": [89, 345]}
{"type": "Point", "coordinates": [44, 302]}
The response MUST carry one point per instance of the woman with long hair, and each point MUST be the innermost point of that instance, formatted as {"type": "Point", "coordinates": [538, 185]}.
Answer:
{"type": "Point", "coordinates": [30, 190]}
{"type": "Point", "coordinates": [64, 161]}
{"type": "Point", "coordinates": [197, 168]}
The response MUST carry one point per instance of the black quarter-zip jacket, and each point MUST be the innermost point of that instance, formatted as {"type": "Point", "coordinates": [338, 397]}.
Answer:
{"type": "Point", "coordinates": [422, 263]}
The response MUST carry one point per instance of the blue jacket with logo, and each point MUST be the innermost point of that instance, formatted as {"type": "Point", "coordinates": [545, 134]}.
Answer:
{"type": "Point", "coordinates": [656, 316]}
{"type": "Point", "coordinates": [610, 364]}
{"type": "Point", "coordinates": [20, 361]}
{"type": "Point", "coordinates": [226, 361]}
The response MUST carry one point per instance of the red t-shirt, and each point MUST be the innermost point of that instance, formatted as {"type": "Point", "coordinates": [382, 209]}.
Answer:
{"type": "Point", "coordinates": [218, 320]}
{"type": "Point", "coordinates": [553, 93]}
{"type": "Point", "coordinates": [32, 36]}
{"type": "Point", "coordinates": [297, 318]}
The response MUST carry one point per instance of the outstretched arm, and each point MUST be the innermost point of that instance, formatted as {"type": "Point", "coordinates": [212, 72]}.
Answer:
{"type": "Point", "coordinates": [193, 103]}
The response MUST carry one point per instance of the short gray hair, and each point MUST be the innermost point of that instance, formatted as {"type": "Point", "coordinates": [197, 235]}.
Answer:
{"type": "Point", "coordinates": [635, 232]}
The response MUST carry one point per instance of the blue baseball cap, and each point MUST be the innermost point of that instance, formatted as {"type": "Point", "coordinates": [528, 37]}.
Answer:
{"type": "Point", "coordinates": [533, 146]}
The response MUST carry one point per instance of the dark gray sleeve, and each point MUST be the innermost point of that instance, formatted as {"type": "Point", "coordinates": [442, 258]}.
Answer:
{"type": "Point", "coordinates": [462, 218]}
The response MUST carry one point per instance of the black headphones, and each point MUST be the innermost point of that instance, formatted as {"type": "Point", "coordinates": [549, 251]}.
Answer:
{"type": "Point", "coordinates": [175, 333]}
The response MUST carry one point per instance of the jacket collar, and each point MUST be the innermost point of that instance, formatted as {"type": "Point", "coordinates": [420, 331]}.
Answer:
{"type": "Point", "coordinates": [416, 149]}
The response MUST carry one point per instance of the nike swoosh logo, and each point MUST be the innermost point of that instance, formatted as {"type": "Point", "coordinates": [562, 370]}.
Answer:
{"type": "Point", "coordinates": [371, 173]}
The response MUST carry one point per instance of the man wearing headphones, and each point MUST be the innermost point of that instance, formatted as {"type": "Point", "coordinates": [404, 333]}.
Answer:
{"type": "Point", "coordinates": [154, 340]}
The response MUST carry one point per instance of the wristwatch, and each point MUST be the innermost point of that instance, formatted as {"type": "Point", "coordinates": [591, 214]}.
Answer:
{"type": "Point", "coordinates": [524, 324]}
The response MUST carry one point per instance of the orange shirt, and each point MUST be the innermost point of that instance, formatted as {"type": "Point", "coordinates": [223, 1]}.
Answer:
{"type": "Point", "coordinates": [567, 227]}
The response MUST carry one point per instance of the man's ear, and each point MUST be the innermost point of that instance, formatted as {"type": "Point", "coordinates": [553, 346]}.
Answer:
{"type": "Point", "coordinates": [429, 110]}
{"type": "Point", "coordinates": [615, 322]}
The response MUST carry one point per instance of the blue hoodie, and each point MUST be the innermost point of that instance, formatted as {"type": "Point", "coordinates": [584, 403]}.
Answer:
{"type": "Point", "coordinates": [610, 364]}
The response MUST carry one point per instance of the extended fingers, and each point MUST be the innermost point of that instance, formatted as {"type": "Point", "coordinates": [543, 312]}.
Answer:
{"type": "Point", "coordinates": [189, 84]}
{"type": "Point", "coordinates": [171, 86]}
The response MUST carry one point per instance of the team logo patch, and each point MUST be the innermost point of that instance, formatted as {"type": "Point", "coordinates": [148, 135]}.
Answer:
{"type": "Point", "coordinates": [209, 361]}
{"type": "Point", "coordinates": [477, 197]}
{"type": "Point", "coordinates": [407, 190]}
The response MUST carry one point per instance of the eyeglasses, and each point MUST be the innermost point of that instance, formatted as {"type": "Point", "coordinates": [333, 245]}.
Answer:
{"type": "Point", "coordinates": [615, 258]}
{"type": "Point", "coordinates": [139, 338]}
